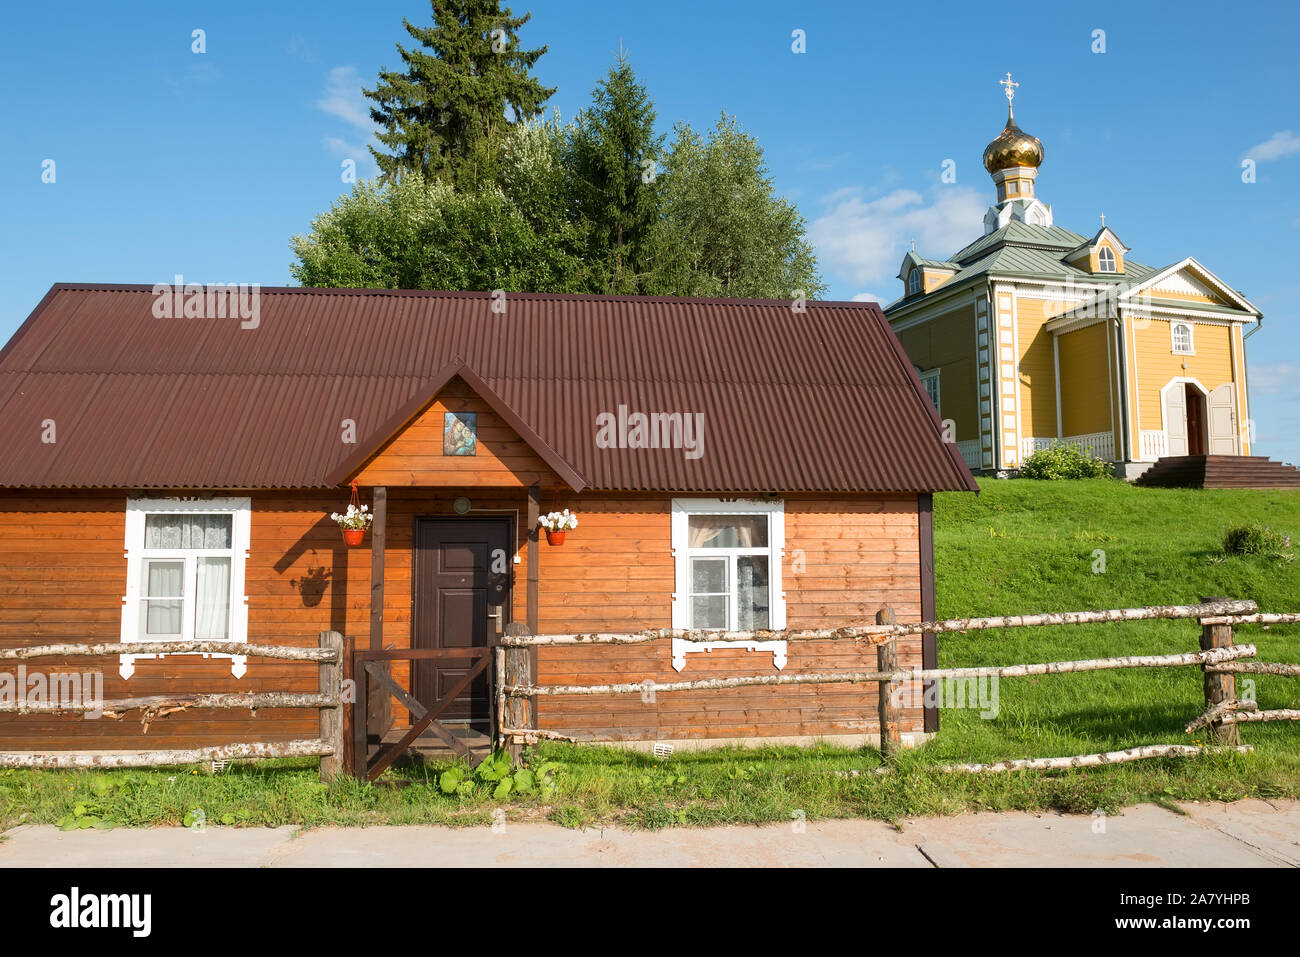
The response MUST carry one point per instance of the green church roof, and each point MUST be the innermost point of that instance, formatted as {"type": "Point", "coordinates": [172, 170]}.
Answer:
{"type": "Point", "coordinates": [1023, 251]}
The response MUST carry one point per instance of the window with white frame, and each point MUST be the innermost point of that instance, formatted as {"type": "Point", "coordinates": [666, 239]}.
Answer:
{"type": "Point", "coordinates": [914, 281]}
{"type": "Point", "coordinates": [728, 572]}
{"type": "Point", "coordinates": [185, 573]}
{"type": "Point", "coordinates": [1182, 338]}
{"type": "Point", "coordinates": [931, 382]}
{"type": "Point", "coordinates": [1105, 259]}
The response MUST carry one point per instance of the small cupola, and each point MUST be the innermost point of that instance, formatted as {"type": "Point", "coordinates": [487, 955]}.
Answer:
{"type": "Point", "coordinates": [1013, 159]}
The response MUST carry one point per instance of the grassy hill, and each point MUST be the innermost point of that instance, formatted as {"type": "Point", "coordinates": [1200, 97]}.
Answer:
{"type": "Point", "coordinates": [1024, 546]}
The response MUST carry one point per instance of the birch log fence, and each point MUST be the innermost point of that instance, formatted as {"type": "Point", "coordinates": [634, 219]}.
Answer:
{"type": "Point", "coordinates": [1218, 657]}
{"type": "Point", "coordinates": [330, 657]}
{"type": "Point", "coordinates": [516, 691]}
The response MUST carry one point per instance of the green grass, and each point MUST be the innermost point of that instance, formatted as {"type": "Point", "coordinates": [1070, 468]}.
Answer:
{"type": "Point", "coordinates": [1020, 546]}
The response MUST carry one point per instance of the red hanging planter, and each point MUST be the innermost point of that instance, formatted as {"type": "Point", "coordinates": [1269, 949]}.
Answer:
{"type": "Point", "coordinates": [354, 536]}
{"type": "Point", "coordinates": [555, 537]}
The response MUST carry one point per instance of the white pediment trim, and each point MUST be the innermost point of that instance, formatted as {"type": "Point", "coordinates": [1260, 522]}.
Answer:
{"type": "Point", "coordinates": [1189, 276]}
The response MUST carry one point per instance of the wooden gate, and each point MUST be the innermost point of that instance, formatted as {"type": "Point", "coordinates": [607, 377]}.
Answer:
{"type": "Point", "coordinates": [372, 664]}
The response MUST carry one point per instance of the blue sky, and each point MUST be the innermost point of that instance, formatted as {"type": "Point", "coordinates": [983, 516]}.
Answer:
{"type": "Point", "coordinates": [168, 161]}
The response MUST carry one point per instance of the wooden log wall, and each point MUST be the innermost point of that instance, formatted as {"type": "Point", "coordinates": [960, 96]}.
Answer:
{"type": "Point", "coordinates": [63, 575]}
{"type": "Point", "coordinates": [844, 560]}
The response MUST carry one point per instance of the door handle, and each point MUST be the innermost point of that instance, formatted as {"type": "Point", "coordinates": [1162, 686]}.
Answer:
{"type": "Point", "coordinates": [496, 613]}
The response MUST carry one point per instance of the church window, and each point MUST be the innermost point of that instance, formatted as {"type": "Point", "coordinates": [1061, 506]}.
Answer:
{"type": "Point", "coordinates": [1105, 259]}
{"type": "Point", "coordinates": [1182, 335]}
{"type": "Point", "coordinates": [914, 282]}
{"type": "Point", "coordinates": [931, 382]}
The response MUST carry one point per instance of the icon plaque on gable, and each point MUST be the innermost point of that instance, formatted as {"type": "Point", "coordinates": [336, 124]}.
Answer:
{"type": "Point", "coordinates": [460, 433]}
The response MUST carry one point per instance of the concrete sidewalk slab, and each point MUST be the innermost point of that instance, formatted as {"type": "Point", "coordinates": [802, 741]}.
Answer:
{"type": "Point", "coordinates": [821, 844]}
{"type": "Point", "coordinates": [47, 846]}
{"type": "Point", "coordinates": [1244, 834]}
{"type": "Point", "coordinates": [1270, 829]}
{"type": "Point", "coordinates": [1143, 836]}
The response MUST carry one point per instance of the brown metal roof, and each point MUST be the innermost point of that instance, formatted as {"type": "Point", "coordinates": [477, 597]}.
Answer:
{"type": "Point", "coordinates": [823, 400]}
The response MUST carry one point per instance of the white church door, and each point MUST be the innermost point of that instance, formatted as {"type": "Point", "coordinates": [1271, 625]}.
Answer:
{"type": "Point", "coordinates": [1223, 426]}
{"type": "Point", "coordinates": [1175, 408]}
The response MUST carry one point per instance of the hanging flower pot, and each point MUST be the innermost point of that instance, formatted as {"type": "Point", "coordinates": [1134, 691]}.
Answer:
{"type": "Point", "coordinates": [354, 521]}
{"type": "Point", "coordinates": [557, 524]}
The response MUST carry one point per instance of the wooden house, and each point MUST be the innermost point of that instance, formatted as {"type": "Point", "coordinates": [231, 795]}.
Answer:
{"type": "Point", "coordinates": [170, 473]}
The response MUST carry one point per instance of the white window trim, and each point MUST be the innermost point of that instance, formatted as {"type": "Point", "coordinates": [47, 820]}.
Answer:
{"type": "Point", "coordinates": [926, 379]}
{"type": "Point", "coordinates": [682, 509]}
{"type": "Point", "coordinates": [1102, 261]}
{"type": "Point", "coordinates": [136, 554]}
{"type": "Point", "coordinates": [1191, 338]}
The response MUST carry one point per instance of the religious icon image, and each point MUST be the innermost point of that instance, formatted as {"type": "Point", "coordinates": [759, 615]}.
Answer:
{"type": "Point", "coordinates": [460, 433]}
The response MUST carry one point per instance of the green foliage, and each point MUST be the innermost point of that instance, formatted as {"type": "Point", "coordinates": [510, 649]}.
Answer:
{"type": "Point", "coordinates": [724, 231]}
{"type": "Point", "coordinates": [444, 115]}
{"type": "Point", "coordinates": [1064, 462]}
{"type": "Point", "coordinates": [496, 775]}
{"type": "Point", "coordinates": [451, 779]}
{"type": "Point", "coordinates": [416, 235]}
{"type": "Point", "coordinates": [1255, 538]}
{"type": "Point", "coordinates": [83, 816]}
{"type": "Point", "coordinates": [612, 154]}
{"type": "Point", "coordinates": [591, 206]}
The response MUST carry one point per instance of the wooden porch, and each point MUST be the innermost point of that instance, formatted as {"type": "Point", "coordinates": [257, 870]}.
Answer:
{"type": "Point", "coordinates": [437, 730]}
{"type": "Point", "coordinates": [1220, 471]}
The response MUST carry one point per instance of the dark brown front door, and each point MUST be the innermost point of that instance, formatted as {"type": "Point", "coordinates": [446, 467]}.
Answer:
{"type": "Point", "coordinates": [461, 577]}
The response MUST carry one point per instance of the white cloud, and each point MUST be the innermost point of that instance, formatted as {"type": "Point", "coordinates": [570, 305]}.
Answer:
{"type": "Point", "coordinates": [864, 239]}
{"type": "Point", "coordinates": [1274, 377]}
{"type": "Point", "coordinates": [1278, 146]}
{"type": "Point", "coordinates": [872, 297]}
{"type": "Point", "coordinates": [343, 98]}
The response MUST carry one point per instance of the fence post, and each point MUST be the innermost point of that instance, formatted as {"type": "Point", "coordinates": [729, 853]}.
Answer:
{"type": "Point", "coordinates": [360, 720]}
{"type": "Point", "coordinates": [348, 702]}
{"type": "Point", "coordinates": [1219, 687]}
{"type": "Point", "coordinates": [499, 696]}
{"type": "Point", "coordinates": [887, 691]}
{"type": "Point", "coordinates": [330, 681]}
{"type": "Point", "coordinates": [520, 713]}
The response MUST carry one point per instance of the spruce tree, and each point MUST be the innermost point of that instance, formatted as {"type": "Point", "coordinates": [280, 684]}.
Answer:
{"type": "Point", "coordinates": [614, 157]}
{"type": "Point", "coordinates": [445, 114]}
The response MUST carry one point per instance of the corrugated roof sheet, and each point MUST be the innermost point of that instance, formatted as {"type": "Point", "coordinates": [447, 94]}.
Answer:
{"type": "Point", "coordinates": [823, 400]}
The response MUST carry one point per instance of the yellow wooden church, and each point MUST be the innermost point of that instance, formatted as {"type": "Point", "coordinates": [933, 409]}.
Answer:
{"type": "Point", "coordinates": [1034, 334]}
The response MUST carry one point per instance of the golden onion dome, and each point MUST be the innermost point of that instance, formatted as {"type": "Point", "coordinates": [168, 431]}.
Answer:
{"type": "Point", "coordinates": [1013, 147]}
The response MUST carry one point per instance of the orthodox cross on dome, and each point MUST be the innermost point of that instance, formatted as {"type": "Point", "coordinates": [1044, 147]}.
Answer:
{"type": "Point", "coordinates": [1010, 88]}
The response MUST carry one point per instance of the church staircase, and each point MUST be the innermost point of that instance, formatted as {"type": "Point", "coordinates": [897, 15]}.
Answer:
{"type": "Point", "coordinates": [1219, 471]}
